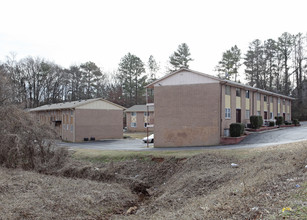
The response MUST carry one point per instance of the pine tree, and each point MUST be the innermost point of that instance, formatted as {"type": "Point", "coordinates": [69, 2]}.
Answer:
{"type": "Point", "coordinates": [130, 72]}
{"type": "Point", "coordinates": [230, 63]}
{"type": "Point", "coordinates": [180, 58]}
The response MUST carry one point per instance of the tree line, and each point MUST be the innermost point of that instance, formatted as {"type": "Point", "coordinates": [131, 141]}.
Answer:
{"type": "Point", "coordinates": [36, 81]}
{"type": "Point", "coordinates": [277, 65]}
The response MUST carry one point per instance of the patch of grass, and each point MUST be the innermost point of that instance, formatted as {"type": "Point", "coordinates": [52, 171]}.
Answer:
{"type": "Point", "coordinates": [300, 203]}
{"type": "Point", "coordinates": [136, 135]}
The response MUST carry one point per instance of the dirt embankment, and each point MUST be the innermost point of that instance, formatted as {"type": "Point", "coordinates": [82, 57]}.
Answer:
{"type": "Point", "coordinates": [201, 187]}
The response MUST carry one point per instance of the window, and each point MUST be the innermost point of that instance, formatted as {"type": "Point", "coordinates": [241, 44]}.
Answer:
{"type": "Point", "coordinates": [133, 124]}
{"type": "Point", "coordinates": [283, 101]}
{"type": "Point", "coordinates": [278, 114]}
{"type": "Point", "coordinates": [271, 115]}
{"type": "Point", "coordinates": [146, 113]}
{"type": "Point", "coordinates": [227, 90]}
{"type": "Point", "coordinates": [145, 125]}
{"type": "Point", "coordinates": [258, 113]}
{"type": "Point", "coordinates": [247, 94]}
{"type": "Point", "coordinates": [133, 113]}
{"type": "Point", "coordinates": [71, 128]}
{"type": "Point", "coordinates": [265, 98]}
{"type": "Point", "coordinates": [238, 92]}
{"type": "Point", "coordinates": [247, 114]}
{"type": "Point", "coordinates": [278, 100]}
{"type": "Point", "coordinates": [258, 96]}
{"type": "Point", "coordinates": [227, 113]}
{"type": "Point", "coordinates": [271, 99]}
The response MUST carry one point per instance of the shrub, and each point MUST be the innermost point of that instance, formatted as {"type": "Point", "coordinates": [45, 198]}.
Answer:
{"type": "Point", "coordinates": [235, 129]}
{"type": "Point", "coordinates": [287, 123]}
{"type": "Point", "coordinates": [295, 122]}
{"type": "Point", "coordinates": [271, 124]}
{"type": "Point", "coordinates": [256, 121]}
{"type": "Point", "coordinates": [279, 120]}
{"type": "Point", "coordinates": [26, 144]}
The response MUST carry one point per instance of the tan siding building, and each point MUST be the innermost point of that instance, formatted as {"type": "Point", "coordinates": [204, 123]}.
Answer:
{"type": "Point", "coordinates": [196, 109]}
{"type": "Point", "coordinates": [138, 117]}
{"type": "Point", "coordinates": [83, 120]}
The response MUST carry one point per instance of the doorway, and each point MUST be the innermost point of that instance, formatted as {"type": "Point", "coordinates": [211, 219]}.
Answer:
{"type": "Point", "coordinates": [238, 115]}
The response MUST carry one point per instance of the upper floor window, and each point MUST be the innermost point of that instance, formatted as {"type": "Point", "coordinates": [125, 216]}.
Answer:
{"type": "Point", "coordinates": [271, 99]}
{"type": "Point", "coordinates": [238, 92]}
{"type": "Point", "coordinates": [258, 96]}
{"type": "Point", "coordinates": [146, 113]}
{"type": "Point", "coordinates": [284, 101]}
{"type": "Point", "coordinates": [227, 90]}
{"type": "Point", "coordinates": [265, 98]}
{"type": "Point", "coordinates": [133, 113]}
{"type": "Point", "coordinates": [278, 100]}
{"type": "Point", "coordinates": [247, 94]}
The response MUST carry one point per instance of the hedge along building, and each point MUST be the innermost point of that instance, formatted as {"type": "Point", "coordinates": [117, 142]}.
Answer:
{"type": "Point", "coordinates": [195, 109]}
{"type": "Point", "coordinates": [138, 117]}
{"type": "Point", "coordinates": [80, 120]}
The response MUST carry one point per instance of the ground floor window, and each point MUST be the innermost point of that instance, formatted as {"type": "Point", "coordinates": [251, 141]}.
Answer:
{"type": "Point", "coordinates": [133, 124]}
{"type": "Point", "coordinates": [258, 113]}
{"type": "Point", "coordinates": [271, 115]}
{"type": "Point", "coordinates": [247, 114]}
{"type": "Point", "coordinates": [145, 125]}
{"type": "Point", "coordinates": [227, 113]}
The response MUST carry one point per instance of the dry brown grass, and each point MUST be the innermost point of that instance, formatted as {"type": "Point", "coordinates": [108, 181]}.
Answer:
{"type": "Point", "coordinates": [204, 186]}
{"type": "Point", "coordinates": [28, 195]}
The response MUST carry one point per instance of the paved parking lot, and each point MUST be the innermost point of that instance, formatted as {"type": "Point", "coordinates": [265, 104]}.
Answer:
{"type": "Point", "coordinates": [260, 139]}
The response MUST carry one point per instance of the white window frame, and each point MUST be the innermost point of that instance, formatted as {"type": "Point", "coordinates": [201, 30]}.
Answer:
{"type": "Point", "coordinates": [258, 113]}
{"type": "Point", "coordinates": [133, 125]}
{"type": "Point", "coordinates": [227, 113]}
{"type": "Point", "coordinates": [133, 113]}
{"type": "Point", "coordinates": [271, 115]}
{"type": "Point", "coordinates": [146, 124]}
{"type": "Point", "coordinates": [247, 116]}
{"type": "Point", "coordinates": [227, 90]}
{"type": "Point", "coordinates": [145, 114]}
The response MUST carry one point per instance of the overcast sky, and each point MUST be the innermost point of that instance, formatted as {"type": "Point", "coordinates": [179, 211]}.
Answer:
{"type": "Point", "coordinates": [103, 31]}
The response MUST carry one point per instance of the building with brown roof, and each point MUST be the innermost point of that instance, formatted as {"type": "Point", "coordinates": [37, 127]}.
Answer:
{"type": "Point", "coordinates": [196, 109]}
{"type": "Point", "coordinates": [138, 117]}
{"type": "Point", "coordinates": [91, 119]}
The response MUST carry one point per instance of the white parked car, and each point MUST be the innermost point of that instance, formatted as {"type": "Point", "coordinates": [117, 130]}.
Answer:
{"type": "Point", "coordinates": [150, 139]}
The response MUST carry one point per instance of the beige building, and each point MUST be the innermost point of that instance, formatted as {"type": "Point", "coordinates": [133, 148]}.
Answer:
{"type": "Point", "coordinates": [196, 109]}
{"type": "Point", "coordinates": [138, 117]}
{"type": "Point", "coordinates": [83, 120]}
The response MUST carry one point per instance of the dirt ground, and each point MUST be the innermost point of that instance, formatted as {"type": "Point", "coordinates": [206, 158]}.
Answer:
{"type": "Point", "coordinates": [204, 186]}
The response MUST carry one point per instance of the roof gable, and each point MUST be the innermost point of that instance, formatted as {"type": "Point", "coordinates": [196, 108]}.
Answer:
{"type": "Point", "coordinates": [184, 77]}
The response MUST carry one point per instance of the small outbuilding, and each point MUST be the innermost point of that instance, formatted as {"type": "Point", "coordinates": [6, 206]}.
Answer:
{"type": "Point", "coordinates": [77, 121]}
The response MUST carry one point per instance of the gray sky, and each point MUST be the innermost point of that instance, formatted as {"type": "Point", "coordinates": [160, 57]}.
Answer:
{"type": "Point", "coordinates": [103, 31]}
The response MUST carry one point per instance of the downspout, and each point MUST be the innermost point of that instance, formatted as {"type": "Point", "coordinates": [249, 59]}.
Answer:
{"type": "Point", "coordinates": [221, 110]}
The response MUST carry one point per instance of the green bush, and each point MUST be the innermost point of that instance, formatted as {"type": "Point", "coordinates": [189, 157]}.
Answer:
{"type": "Point", "coordinates": [242, 128]}
{"type": "Point", "coordinates": [235, 129]}
{"type": "Point", "coordinates": [271, 124]}
{"type": "Point", "coordinates": [279, 120]}
{"type": "Point", "coordinates": [295, 122]}
{"type": "Point", "coordinates": [287, 123]}
{"type": "Point", "coordinates": [256, 121]}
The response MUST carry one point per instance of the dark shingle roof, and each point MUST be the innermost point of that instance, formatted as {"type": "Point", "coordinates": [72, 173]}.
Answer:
{"type": "Point", "coordinates": [140, 108]}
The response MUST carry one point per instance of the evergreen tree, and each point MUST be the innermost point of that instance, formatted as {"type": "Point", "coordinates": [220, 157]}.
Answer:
{"type": "Point", "coordinates": [130, 72]}
{"type": "Point", "coordinates": [230, 63]}
{"type": "Point", "coordinates": [180, 58]}
{"type": "Point", "coordinates": [153, 68]}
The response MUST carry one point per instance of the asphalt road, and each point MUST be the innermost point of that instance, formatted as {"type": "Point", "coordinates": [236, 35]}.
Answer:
{"type": "Point", "coordinates": [259, 139]}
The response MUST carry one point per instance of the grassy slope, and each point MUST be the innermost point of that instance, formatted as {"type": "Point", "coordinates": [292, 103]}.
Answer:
{"type": "Point", "coordinates": [182, 184]}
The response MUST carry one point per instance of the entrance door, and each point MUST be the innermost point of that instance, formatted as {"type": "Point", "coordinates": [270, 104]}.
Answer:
{"type": "Point", "coordinates": [284, 116]}
{"type": "Point", "coordinates": [265, 115]}
{"type": "Point", "coordinates": [238, 115]}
